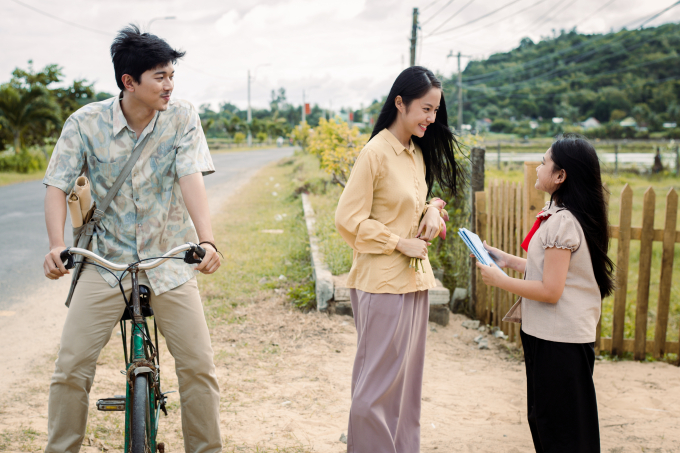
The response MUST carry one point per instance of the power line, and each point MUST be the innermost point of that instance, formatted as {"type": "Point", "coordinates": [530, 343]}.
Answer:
{"type": "Point", "coordinates": [435, 14]}
{"type": "Point", "coordinates": [498, 21]}
{"type": "Point", "coordinates": [452, 16]}
{"type": "Point", "coordinates": [572, 93]}
{"type": "Point", "coordinates": [432, 3]}
{"type": "Point", "coordinates": [557, 13]}
{"type": "Point", "coordinates": [499, 73]}
{"type": "Point", "coordinates": [598, 10]}
{"type": "Point", "coordinates": [658, 14]}
{"type": "Point", "coordinates": [572, 68]}
{"type": "Point", "coordinates": [540, 19]}
{"type": "Point", "coordinates": [60, 19]}
{"type": "Point", "coordinates": [475, 20]}
{"type": "Point", "coordinates": [611, 72]}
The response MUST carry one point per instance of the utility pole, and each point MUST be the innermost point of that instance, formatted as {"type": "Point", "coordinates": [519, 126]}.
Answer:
{"type": "Point", "coordinates": [414, 36]}
{"type": "Point", "coordinates": [250, 115]}
{"type": "Point", "coordinates": [304, 106]}
{"type": "Point", "coordinates": [460, 97]}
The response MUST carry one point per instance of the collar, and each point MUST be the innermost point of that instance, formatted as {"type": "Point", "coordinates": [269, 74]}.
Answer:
{"type": "Point", "coordinates": [395, 143]}
{"type": "Point", "coordinates": [550, 209]}
{"type": "Point", "coordinates": [119, 121]}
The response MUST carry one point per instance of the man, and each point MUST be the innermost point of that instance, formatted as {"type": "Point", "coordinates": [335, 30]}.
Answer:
{"type": "Point", "coordinates": [162, 204]}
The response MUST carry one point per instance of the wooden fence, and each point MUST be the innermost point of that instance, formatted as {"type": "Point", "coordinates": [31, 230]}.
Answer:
{"type": "Point", "coordinates": [505, 212]}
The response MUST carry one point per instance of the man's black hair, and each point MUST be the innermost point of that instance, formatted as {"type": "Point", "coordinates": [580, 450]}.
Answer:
{"type": "Point", "coordinates": [134, 53]}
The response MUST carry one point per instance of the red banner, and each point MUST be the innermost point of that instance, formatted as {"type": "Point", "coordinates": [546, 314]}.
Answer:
{"type": "Point", "coordinates": [308, 109]}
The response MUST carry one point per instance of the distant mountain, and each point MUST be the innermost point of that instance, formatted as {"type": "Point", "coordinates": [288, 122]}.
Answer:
{"type": "Point", "coordinates": [630, 73]}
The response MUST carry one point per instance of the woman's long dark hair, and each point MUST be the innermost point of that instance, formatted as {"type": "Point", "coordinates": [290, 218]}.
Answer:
{"type": "Point", "coordinates": [439, 143]}
{"type": "Point", "coordinates": [583, 194]}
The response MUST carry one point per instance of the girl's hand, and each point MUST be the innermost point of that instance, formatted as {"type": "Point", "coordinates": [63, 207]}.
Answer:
{"type": "Point", "coordinates": [413, 248]}
{"type": "Point", "coordinates": [491, 275]}
{"type": "Point", "coordinates": [499, 256]}
{"type": "Point", "coordinates": [429, 226]}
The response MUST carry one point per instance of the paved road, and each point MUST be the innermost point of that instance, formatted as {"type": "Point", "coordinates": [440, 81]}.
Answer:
{"type": "Point", "coordinates": [23, 238]}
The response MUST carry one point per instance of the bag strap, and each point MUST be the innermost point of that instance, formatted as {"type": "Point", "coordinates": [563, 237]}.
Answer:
{"type": "Point", "coordinates": [124, 173]}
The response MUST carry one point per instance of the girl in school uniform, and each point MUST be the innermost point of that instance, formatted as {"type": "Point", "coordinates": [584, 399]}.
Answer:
{"type": "Point", "coordinates": [379, 215]}
{"type": "Point", "coordinates": [566, 274]}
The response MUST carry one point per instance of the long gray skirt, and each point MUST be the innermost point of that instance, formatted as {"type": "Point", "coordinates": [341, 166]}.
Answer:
{"type": "Point", "coordinates": [387, 378]}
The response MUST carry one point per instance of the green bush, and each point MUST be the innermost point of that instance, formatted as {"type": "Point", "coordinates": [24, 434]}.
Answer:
{"type": "Point", "coordinates": [24, 162]}
{"type": "Point", "coordinates": [501, 125]}
{"type": "Point", "coordinates": [261, 137]}
{"type": "Point", "coordinates": [239, 137]}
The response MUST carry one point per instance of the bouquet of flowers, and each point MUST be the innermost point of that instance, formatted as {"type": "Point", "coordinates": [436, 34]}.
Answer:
{"type": "Point", "coordinates": [438, 203]}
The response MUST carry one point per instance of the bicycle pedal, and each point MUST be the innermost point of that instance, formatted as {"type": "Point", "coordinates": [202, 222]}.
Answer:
{"type": "Point", "coordinates": [111, 404]}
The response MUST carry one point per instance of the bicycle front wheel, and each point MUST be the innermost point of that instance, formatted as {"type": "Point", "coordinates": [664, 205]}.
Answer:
{"type": "Point", "coordinates": [140, 415]}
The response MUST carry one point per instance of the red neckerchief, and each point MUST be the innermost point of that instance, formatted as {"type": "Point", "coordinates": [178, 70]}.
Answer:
{"type": "Point", "coordinates": [537, 224]}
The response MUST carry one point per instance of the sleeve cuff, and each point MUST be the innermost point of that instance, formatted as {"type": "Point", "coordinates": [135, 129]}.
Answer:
{"type": "Point", "coordinates": [391, 244]}
{"type": "Point", "coordinates": [65, 187]}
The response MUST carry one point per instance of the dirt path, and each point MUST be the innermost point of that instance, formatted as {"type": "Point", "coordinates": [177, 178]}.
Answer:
{"type": "Point", "coordinates": [285, 378]}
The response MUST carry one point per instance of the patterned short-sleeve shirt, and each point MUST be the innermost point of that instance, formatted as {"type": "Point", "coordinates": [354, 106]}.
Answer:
{"type": "Point", "coordinates": [148, 216]}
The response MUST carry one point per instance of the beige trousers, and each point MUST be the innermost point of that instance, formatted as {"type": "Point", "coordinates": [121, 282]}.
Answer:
{"type": "Point", "coordinates": [94, 313]}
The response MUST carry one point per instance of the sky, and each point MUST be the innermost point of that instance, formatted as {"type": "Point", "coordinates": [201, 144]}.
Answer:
{"type": "Point", "coordinates": [340, 53]}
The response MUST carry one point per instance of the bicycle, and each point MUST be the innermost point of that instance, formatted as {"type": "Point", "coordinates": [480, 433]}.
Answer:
{"type": "Point", "coordinates": [143, 400]}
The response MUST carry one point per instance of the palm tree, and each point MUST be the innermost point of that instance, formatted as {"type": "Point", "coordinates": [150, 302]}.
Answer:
{"type": "Point", "coordinates": [21, 109]}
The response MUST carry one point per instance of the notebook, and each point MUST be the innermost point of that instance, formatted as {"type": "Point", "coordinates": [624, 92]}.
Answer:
{"type": "Point", "coordinates": [477, 247]}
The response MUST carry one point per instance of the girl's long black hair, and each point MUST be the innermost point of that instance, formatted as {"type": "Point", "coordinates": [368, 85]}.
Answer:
{"type": "Point", "coordinates": [583, 194]}
{"type": "Point", "coordinates": [439, 143]}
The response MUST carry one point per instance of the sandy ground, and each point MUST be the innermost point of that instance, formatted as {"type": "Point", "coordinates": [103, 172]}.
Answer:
{"type": "Point", "coordinates": [285, 383]}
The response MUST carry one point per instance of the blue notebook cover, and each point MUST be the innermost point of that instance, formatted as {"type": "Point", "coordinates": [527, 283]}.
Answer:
{"type": "Point", "coordinates": [477, 247]}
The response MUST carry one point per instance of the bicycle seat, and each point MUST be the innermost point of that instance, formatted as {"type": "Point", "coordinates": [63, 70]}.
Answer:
{"type": "Point", "coordinates": [144, 303]}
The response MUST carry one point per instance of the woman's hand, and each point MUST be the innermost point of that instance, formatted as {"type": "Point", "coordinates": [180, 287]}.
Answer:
{"type": "Point", "coordinates": [491, 275]}
{"type": "Point", "coordinates": [429, 226]}
{"type": "Point", "coordinates": [413, 248]}
{"type": "Point", "coordinates": [498, 255]}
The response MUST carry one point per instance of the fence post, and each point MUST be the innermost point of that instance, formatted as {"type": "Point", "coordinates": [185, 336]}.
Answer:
{"type": "Point", "coordinates": [616, 158]}
{"type": "Point", "coordinates": [534, 199]}
{"type": "Point", "coordinates": [480, 294]}
{"type": "Point", "coordinates": [666, 274]}
{"type": "Point", "coordinates": [622, 256]}
{"type": "Point", "coordinates": [476, 185]}
{"type": "Point", "coordinates": [498, 156]}
{"type": "Point", "coordinates": [644, 274]}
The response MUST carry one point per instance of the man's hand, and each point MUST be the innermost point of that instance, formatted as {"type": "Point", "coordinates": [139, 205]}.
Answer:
{"type": "Point", "coordinates": [210, 262]}
{"type": "Point", "coordinates": [53, 267]}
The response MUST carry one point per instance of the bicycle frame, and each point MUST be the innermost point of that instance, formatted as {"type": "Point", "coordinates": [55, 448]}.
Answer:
{"type": "Point", "coordinates": [139, 352]}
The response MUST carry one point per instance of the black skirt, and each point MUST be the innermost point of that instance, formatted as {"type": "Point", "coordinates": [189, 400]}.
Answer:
{"type": "Point", "coordinates": [561, 400]}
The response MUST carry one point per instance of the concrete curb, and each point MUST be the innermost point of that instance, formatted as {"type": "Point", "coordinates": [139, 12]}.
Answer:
{"type": "Point", "coordinates": [322, 275]}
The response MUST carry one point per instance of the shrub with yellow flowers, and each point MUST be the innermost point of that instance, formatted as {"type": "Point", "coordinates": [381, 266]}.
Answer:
{"type": "Point", "coordinates": [337, 146]}
{"type": "Point", "coordinates": [300, 135]}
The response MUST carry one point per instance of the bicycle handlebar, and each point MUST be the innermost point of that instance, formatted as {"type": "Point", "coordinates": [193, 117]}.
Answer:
{"type": "Point", "coordinates": [191, 248]}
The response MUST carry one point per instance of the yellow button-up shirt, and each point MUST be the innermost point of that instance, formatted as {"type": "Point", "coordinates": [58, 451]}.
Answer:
{"type": "Point", "coordinates": [383, 201]}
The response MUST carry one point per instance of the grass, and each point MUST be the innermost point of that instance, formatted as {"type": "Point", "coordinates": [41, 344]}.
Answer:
{"type": "Point", "coordinates": [255, 260]}
{"type": "Point", "coordinates": [7, 178]}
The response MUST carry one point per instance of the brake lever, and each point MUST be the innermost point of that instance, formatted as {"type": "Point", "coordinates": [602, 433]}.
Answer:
{"type": "Point", "coordinates": [189, 255]}
{"type": "Point", "coordinates": [67, 258]}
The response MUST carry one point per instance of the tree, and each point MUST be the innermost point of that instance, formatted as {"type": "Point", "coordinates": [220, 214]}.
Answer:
{"type": "Point", "coordinates": [22, 109]}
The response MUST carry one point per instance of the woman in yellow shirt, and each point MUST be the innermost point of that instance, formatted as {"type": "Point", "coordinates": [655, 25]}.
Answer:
{"type": "Point", "coordinates": [379, 215]}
